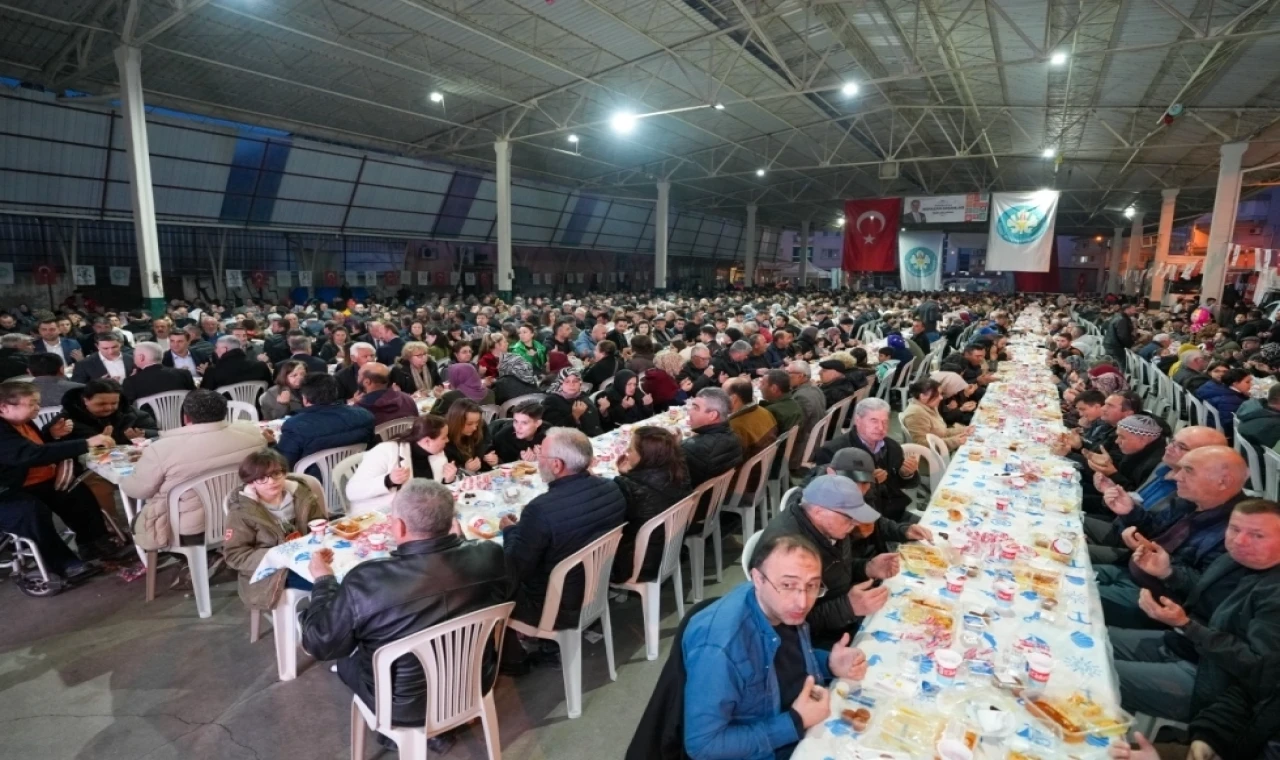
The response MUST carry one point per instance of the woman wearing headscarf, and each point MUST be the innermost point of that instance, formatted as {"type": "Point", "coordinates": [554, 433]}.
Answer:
{"type": "Point", "coordinates": [567, 405]}
{"type": "Point", "coordinates": [1108, 383]}
{"type": "Point", "coordinates": [464, 382]}
{"type": "Point", "coordinates": [606, 364]}
{"type": "Point", "coordinates": [956, 407]}
{"type": "Point", "coordinates": [515, 379]}
{"type": "Point", "coordinates": [628, 404]}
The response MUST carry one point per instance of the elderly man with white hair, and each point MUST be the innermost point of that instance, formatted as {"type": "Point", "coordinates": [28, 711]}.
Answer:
{"type": "Point", "coordinates": [151, 376]}
{"type": "Point", "coordinates": [1160, 343]}
{"type": "Point", "coordinates": [232, 365]}
{"type": "Point", "coordinates": [577, 508]}
{"type": "Point", "coordinates": [894, 472]}
{"type": "Point", "coordinates": [349, 376]}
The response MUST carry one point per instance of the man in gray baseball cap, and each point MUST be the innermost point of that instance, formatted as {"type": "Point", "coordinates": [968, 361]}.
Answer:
{"type": "Point", "coordinates": [833, 515]}
{"type": "Point", "coordinates": [857, 465]}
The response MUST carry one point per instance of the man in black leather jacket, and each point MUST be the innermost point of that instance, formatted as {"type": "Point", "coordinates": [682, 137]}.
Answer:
{"type": "Point", "coordinates": [434, 575]}
{"type": "Point", "coordinates": [714, 448]}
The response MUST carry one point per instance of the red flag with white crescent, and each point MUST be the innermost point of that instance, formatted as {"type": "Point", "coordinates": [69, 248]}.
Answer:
{"type": "Point", "coordinates": [871, 234]}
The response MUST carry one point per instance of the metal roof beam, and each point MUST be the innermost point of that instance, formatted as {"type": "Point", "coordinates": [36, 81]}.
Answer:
{"type": "Point", "coordinates": [164, 25]}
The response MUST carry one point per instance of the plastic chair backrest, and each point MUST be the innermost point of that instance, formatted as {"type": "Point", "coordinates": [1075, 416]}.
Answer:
{"type": "Point", "coordinates": [239, 410]}
{"type": "Point", "coordinates": [490, 411]}
{"type": "Point", "coordinates": [747, 548]}
{"type": "Point", "coordinates": [673, 521]}
{"type": "Point", "coordinates": [507, 406]}
{"type": "Point", "coordinates": [786, 497]}
{"type": "Point", "coordinates": [936, 466]}
{"type": "Point", "coordinates": [212, 489]}
{"type": "Point", "coordinates": [246, 392]}
{"type": "Point", "coordinates": [47, 413]}
{"type": "Point", "coordinates": [604, 384]}
{"type": "Point", "coordinates": [841, 413]}
{"type": "Point", "coordinates": [167, 408]}
{"type": "Point", "coordinates": [452, 655]}
{"type": "Point", "coordinates": [715, 491]}
{"type": "Point", "coordinates": [817, 437]}
{"type": "Point", "coordinates": [596, 559]}
{"type": "Point", "coordinates": [780, 472]}
{"type": "Point", "coordinates": [759, 466]}
{"type": "Point", "coordinates": [939, 447]}
{"type": "Point", "coordinates": [391, 428]}
{"type": "Point", "coordinates": [1213, 416]}
{"type": "Point", "coordinates": [1256, 480]}
{"type": "Point", "coordinates": [1271, 466]}
{"type": "Point", "coordinates": [325, 460]}
{"type": "Point", "coordinates": [342, 473]}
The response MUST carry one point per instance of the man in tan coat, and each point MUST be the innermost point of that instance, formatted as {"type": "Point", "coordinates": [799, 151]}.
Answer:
{"type": "Point", "coordinates": [206, 442]}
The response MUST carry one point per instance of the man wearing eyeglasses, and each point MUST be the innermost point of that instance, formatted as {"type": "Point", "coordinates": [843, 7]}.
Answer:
{"type": "Point", "coordinates": [753, 681]}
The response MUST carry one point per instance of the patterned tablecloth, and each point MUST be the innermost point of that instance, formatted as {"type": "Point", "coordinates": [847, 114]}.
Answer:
{"type": "Point", "coordinates": [481, 502]}
{"type": "Point", "coordinates": [1003, 493]}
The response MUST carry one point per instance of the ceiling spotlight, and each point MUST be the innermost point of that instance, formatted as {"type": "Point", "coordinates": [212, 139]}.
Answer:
{"type": "Point", "coordinates": [839, 221]}
{"type": "Point", "coordinates": [1057, 59]}
{"type": "Point", "coordinates": [573, 139]}
{"type": "Point", "coordinates": [436, 97]}
{"type": "Point", "coordinates": [849, 89]}
{"type": "Point", "coordinates": [759, 172]}
{"type": "Point", "coordinates": [719, 106]}
{"type": "Point", "coordinates": [1050, 152]}
{"type": "Point", "coordinates": [1097, 239]}
{"type": "Point", "coordinates": [1130, 212]}
{"type": "Point", "coordinates": [623, 122]}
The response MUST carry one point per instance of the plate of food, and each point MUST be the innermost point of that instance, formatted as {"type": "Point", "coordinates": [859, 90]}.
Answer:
{"type": "Point", "coordinates": [522, 469]}
{"type": "Point", "coordinates": [350, 528]}
{"type": "Point", "coordinates": [923, 559]}
{"type": "Point", "coordinates": [484, 527]}
{"type": "Point", "coordinates": [1077, 717]}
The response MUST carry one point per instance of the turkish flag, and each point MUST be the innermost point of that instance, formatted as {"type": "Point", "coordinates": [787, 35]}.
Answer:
{"type": "Point", "coordinates": [871, 234]}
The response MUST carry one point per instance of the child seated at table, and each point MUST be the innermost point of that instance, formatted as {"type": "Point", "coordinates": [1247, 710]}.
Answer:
{"type": "Point", "coordinates": [273, 507]}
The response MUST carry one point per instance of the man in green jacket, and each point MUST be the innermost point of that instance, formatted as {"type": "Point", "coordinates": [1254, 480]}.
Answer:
{"type": "Point", "coordinates": [781, 403]}
{"type": "Point", "coordinates": [1225, 623]}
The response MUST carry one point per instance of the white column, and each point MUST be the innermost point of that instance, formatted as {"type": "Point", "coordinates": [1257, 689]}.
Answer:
{"type": "Point", "coordinates": [1164, 232]}
{"type": "Point", "coordinates": [1225, 204]}
{"type": "Point", "coordinates": [502, 180]}
{"type": "Point", "coordinates": [804, 252]}
{"type": "Point", "coordinates": [129, 63]}
{"type": "Point", "coordinates": [1135, 254]}
{"type": "Point", "coordinates": [753, 237]}
{"type": "Point", "coordinates": [1117, 254]}
{"type": "Point", "coordinates": [660, 235]}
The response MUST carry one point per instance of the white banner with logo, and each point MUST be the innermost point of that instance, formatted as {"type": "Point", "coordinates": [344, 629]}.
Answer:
{"type": "Point", "coordinates": [83, 275]}
{"type": "Point", "coordinates": [1021, 235]}
{"type": "Point", "coordinates": [304, 278]}
{"type": "Point", "coordinates": [235, 279]}
{"type": "Point", "coordinates": [119, 276]}
{"type": "Point", "coordinates": [424, 278]}
{"type": "Point", "coordinates": [948, 209]}
{"type": "Point", "coordinates": [920, 260]}
{"type": "Point", "coordinates": [370, 279]}
{"type": "Point", "coordinates": [284, 278]}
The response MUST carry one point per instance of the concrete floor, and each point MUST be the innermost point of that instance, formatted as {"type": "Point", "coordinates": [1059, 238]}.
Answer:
{"type": "Point", "coordinates": [97, 673]}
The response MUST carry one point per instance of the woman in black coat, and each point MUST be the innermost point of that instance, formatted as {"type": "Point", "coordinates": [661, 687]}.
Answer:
{"type": "Point", "coordinates": [416, 372]}
{"type": "Point", "coordinates": [652, 477]}
{"type": "Point", "coordinates": [515, 378]}
{"type": "Point", "coordinates": [628, 404]}
{"type": "Point", "coordinates": [606, 365]}
{"type": "Point", "coordinates": [567, 406]}
{"type": "Point", "coordinates": [100, 404]}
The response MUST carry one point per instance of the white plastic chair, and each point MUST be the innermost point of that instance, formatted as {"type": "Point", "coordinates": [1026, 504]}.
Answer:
{"type": "Point", "coordinates": [817, 437]}
{"type": "Point", "coordinates": [936, 467]}
{"type": "Point", "coordinates": [167, 408]}
{"type": "Point", "coordinates": [782, 480]}
{"type": "Point", "coordinates": [46, 414]}
{"type": "Point", "coordinates": [239, 410]}
{"type": "Point", "coordinates": [246, 392]}
{"type": "Point", "coordinates": [674, 521]}
{"type": "Point", "coordinates": [342, 473]}
{"type": "Point", "coordinates": [596, 559]}
{"type": "Point", "coordinates": [325, 460]}
{"type": "Point", "coordinates": [212, 490]}
{"type": "Point", "coordinates": [507, 406]}
{"type": "Point", "coordinates": [786, 497]}
{"type": "Point", "coordinates": [840, 412]}
{"type": "Point", "coordinates": [490, 412]}
{"type": "Point", "coordinates": [939, 447]}
{"type": "Point", "coordinates": [1257, 484]}
{"type": "Point", "coordinates": [741, 502]}
{"type": "Point", "coordinates": [1271, 467]}
{"type": "Point", "coordinates": [696, 543]}
{"type": "Point", "coordinates": [747, 549]}
{"type": "Point", "coordinates": [390, 429]}
{"type": "Point", "coordinates": [452, 656]}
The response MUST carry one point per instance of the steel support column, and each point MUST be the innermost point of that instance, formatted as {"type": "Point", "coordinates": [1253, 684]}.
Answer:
{"type": "Point", "coordinates": [1134, 261]}
{"type": "Point", "coordinates": [804, 253]}
{"type": "Point", "coordinates": [1117, 254]}
{"type": "Point", "coordinates": [1165, 231]}
{"type": "Point", "coordinates": [753, 239]}
{"type": "Point", "coordinates": [150, 274]}
{"type": "Point", "coordinates": [661, 234]}
{"type": "Point", "coordinates": [1225, 204]}
{"type": "Point", "coordinates": [502, 180]}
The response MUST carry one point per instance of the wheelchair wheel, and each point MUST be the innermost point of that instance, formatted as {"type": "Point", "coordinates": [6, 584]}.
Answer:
{"type": "Point", "coordinates": [33, 584]}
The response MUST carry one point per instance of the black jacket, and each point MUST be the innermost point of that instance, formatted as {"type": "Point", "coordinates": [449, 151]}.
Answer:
{"type": "Point", "coordinates": [13, 363]}
{"type": "Point", "coordinates": [384, 600]}
{"type": "Point", "coordinates": [602, 370]}
{"type": "Point", "coordinates": [507, 445]}
{"type": "Point", "coordinates": [888, 497]}
{"type": "Point", "coordinates": [961, 366]}
{"type": "Point", "coordinates": [1259, 424]}
{"type": "Point", "coordinates": [1132, 470]}
{"type": "Point", "coordinates": [85, 425]}
{"type": "Point", "coordinates": [92, 368]}
{"type": "Point", "coordinates": [456, 456]}
{"type": "Point", "coordinates": [660, 732]}
{"type": "Point", "coordinates": [199, 357]}
{"type": "Point", "coordinates": [558, 412]}
{"type": "Point", "coordinates": [1190, 379]}
{"type": "Point", "coordinates": [156, 379]}
{"type": "Point", "coordinates": [17, 455]}
{"type": "Point", "coordinates": [617, 414]}
{"type": "Point", "coordinates": [712, 450]}
{"type": "Point", "coordinates": [349, 380]}
{"type": "Point", "coordinates": [402, 376]}
{"type": "Point", "coordinates": [844, 564]}
{"type": "Point", "coordinates": [508, 387]}
{"type": "Point", "coordinates": [1118, 336]}
{"type": "Point", "coordinates": [839, 390]}
{"type": "Point", "coordinates": [276, 347]}
{"type": "Point", "coordinates": [649, 492]}
{"type": "Point", "coordinates": [574, 511]}
{"type": "Point", "coordinates": [698, 376]}
{"type": "Point", "coordinates": [235, 367]}
{"type": "Point", "coordinates": [389, 353]}
{"type": "Point", "coordinates": [312, 363]}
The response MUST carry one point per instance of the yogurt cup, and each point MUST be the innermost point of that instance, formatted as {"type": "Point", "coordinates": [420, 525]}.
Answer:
{"type": "Point", "coordinates": [955, 580]}
{"type": "Point", "coordinates": [1039, 667]}
{"type": "Point", "coordinates": [1005, 590]}
{"type": "Point", "coordinates": [948, 662]}
{"type": "Point", "coordinates": [377, 541]}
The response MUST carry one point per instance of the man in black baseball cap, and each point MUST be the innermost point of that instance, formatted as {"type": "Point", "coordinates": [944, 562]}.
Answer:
{"type": "Point", "coordinates": [836, 385]}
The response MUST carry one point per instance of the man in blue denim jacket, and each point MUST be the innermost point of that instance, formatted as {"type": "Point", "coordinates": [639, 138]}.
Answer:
{"type": "Point", "coordinates": [754, 681]}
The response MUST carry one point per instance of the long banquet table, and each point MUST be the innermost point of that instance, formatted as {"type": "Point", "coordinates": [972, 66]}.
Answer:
{"type": "Point", "coordinates": [1002, 486]}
